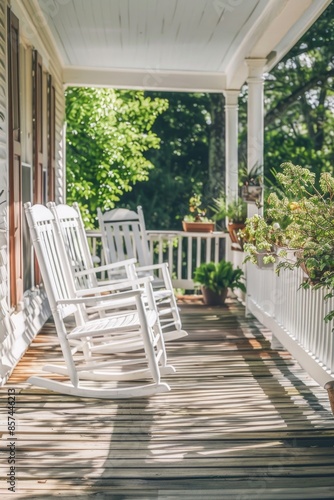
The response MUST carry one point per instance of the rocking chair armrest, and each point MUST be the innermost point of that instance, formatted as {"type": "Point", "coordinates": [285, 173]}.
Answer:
{"type": "Point", "coordinates": [112, 282]}
{"type": "Point", "coordinates": [115, 286]}
{"type": "Point", "coordinates": [88, 300]}
{"type": "Point", "coordinates": [165, 274]}
{"type": "Point", "coordinates": [107, 267]}
{"type": "Point", "coordinates": [163, 266]}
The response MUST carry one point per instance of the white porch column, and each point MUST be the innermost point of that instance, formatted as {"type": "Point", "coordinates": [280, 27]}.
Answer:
{"type": "Point", "coordinates": [231, 157]}
{"type": "Point", "coordinates": [255, 119]}
{"type": "Point", "coordinates": [231, 144]}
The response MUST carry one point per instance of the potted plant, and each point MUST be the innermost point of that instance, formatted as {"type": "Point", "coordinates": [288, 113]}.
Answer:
{"type": "Point", "coordinates": [252, 185]}
{"type": "Point", "coordinates": [236, 213]}
{"type": "Point", "coordinates": [216, 279]}
{"type": "Point", "coordinates": [197, 221]}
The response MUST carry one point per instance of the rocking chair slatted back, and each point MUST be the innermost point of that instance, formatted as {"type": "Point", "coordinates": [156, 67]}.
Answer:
{"type": "Point", "coordinates": [53, 264]}
{"type": "Point", "coordinates": [124, 235]}
{"type": "Point", "coordinates": [76, 243]}
{"type": "Point", "coordinates": [71, 225]}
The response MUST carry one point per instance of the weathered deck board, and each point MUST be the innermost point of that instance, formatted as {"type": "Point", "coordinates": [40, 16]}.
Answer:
{"type": "Point", "coordinates": [242, 422]}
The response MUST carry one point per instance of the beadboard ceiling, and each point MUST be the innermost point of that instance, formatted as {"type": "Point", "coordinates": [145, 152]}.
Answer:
{"type": "Point", "coordinates": [172, 44]}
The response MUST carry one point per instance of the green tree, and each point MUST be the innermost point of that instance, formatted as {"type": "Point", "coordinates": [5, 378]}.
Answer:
{"type": "Point", "coordinates": [216, 179]}
{"type": "Point", "coordinates": [108, 133]}
{"type": "Point", "coordinates": [181, 163]}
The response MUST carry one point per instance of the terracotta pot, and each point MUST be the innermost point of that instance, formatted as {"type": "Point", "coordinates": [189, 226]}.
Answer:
{"type": "Point", "coordinates": [312, 281]}
{"type": "Point", "coordinates": [233, 228]}
{"type": "Point", "coordinates": [211, 298]}
{"type": "Point", "coordinates": [299, 254]}
{"type": "Point", "coordinates": [330, 390]}
{"type": "Point", "coordinates": [198, 227]}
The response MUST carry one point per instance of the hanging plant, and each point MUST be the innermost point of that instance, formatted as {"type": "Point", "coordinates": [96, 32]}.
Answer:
{"type": "Point", "coordinates": [252, 185]}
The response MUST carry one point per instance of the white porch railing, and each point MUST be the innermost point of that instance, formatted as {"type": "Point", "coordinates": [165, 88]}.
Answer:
{"type": "Point", "coordinates": [295, 316]}
{"type": "Point", "coordinates": [185, 251]}
{"type": "Point", "coordinates": [182, 250]}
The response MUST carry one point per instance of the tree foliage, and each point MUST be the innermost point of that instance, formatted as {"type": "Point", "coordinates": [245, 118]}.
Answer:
{"type": "Point", "coordinates": [181, 163]}
{"type": "Point", "coordinates": [215, 185]}
{"type": "Point", "coordinates": [108, 134]}
{"type": "Point", "coordinates": [299, 102]}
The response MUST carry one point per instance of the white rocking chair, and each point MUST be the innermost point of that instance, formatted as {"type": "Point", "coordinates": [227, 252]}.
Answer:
{"type": "Point", "coordinates": [124, 237]}
{"type": "Point", "coordinates": [88, 371]}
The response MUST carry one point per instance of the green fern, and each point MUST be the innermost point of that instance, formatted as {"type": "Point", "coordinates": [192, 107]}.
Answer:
{"type": "Point", "coordinates": [220, 276]}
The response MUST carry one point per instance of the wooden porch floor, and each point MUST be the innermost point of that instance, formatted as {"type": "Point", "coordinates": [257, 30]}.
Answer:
{"type": "Point", "coordinates": [241, 422]}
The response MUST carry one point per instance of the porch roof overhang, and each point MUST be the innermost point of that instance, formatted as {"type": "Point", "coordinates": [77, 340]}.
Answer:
{"type": "Point", "coordinates": [175, 45]}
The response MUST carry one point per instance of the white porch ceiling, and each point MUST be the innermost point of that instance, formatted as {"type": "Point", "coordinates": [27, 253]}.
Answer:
{"type": "Point", "coordinates": [172, 44]}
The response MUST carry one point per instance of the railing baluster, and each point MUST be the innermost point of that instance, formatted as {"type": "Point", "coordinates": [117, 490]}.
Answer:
{"type": "Point", "coordinates": [170, 255]}
{"type": "Point", "coordinates": [216, 255]}
{"type": "Point", "coordinates": [198, 251]}
{"type": "Point", "coordinates": [208, 250]}
{"type": "Point", "coordinates": [189, 258]}
{"type": "Point", "coordinates": [179, 258]}
{"type": "Point", "coordinates": [160, 249]}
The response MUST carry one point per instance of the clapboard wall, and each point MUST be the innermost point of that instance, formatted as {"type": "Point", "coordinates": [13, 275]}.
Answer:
{"type": "Point", "coordinates": [20, 325]}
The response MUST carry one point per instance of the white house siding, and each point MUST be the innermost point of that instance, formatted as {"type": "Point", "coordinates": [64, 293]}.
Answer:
{"type": "Point", "coordinates": [18, 328]}
{"type": "Point", "coordinates": [5, 322]}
